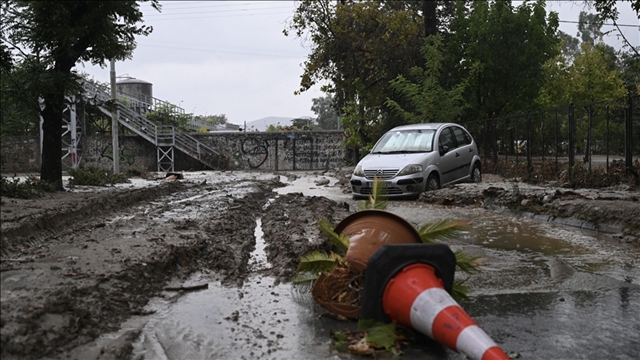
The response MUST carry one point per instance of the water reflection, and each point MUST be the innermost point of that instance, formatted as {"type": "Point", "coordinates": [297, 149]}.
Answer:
{"type": "Point", "coordinates": [564, 325]}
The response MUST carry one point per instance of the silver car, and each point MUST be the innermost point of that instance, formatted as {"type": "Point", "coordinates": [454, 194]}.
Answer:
{"type": "Point", "coordinates": [411, 159]}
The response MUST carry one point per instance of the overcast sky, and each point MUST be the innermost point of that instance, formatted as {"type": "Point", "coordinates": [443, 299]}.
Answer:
{"type": "Point", "coordinates": [231, 57]}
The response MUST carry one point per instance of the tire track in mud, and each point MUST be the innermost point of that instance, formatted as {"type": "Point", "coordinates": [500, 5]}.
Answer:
{"type": "Point", "coordinates": [290, 230]}
{"type": "Point", "coordinates": [73, 311]}
{"type": "Point", "coordinates": [58, 221]}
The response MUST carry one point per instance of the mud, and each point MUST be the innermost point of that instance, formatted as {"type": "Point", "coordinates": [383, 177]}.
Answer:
{"type": "Point", "coordinates": [612, 211]}
{"type": "Point", "coordinates": [76, 265]}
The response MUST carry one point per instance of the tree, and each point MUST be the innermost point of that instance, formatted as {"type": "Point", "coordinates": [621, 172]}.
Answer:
{"type": "Point", "coordinates": [589, 27]}
{"type": "Point", "coordinates": [500, 51]}
{"type": "Point", "coordinates": [570, 45]}
{"type": "Point", "coordinates": [326, 114]}
{"type": "Point", "coordinates": [20, 108]}
{"type": "Point", "coordinates": [303, 124]}
{"type": "Point", "coordinates": [167, 114]}
{"type": "Point", "coordinates": [607, 10]}
{"type": "Point", "coordinates": [590, 79]}
{"type": "Point", "coordinates": [53, 36]}
{"type": "Point", "coordinates": [428, 101]}
{"type": "Point", "coordinates": [358, 47]}
{"type": "Point", "coordinates": [212, 119]}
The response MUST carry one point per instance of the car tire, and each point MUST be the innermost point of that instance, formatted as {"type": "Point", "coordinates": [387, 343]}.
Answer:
{"type": "Point", "coordinates": [433, 182]}
{"type": "Point", "coordinates": [476, 174]}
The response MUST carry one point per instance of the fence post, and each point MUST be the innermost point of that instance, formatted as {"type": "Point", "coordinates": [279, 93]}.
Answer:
{"type": "Point", "coordinates": [529, 145]}
{"type": "Point", "coordinates": [494, 142]}
{"type": "Point", "coordinates": [607, 138]}
{"type": "Point", "coordinates": [555, 135]}
{"type": "Point", "coordinates": [587, 155]}
{"type": "Point", "coordinates": [542, 134]}
{"type": "Point", "coordinates": [572, 124]}
{"type": "Point", "coordinates": [628, 154]}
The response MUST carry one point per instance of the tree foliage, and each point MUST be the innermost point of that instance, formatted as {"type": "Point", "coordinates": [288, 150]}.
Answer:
{"type": "Point", "coordinates": [324, 108]}
{"type": "Point", "coordinates": [428, 100]}
{"type": "Point", "coordinates": [607, 8]}
{"type": "Point", "coordinates": [370, 51]}
{"type": "Point", "coordinates": [167, 114]}
{"type": "Point", "coordinates": [19, 113]}
{"type": "Point", "coordinates": [51, 37]}
{"type": "Point", "coordinates": [500, 50]}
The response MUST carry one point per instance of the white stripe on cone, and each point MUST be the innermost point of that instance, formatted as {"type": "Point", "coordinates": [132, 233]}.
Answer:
{"type": "Point", "coordinates": [416, 295]}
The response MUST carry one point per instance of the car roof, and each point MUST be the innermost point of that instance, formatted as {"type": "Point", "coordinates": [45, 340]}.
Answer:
{"type": "Point", "coordinates": [426, 126]}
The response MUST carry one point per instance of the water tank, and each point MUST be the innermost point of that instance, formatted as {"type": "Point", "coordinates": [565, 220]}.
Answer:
{"type": "Point", "coordinates": [136, 89]}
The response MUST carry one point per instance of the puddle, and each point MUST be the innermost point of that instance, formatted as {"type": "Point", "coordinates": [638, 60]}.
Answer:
{"type": "Point", "coordinates": [307, 186]}
{"type": "Point", "coordinates": [564, 325]}
{"type": "Point", "coordinates": [257, 320]}
{"type": "Point", "coordinates": [258, 258]}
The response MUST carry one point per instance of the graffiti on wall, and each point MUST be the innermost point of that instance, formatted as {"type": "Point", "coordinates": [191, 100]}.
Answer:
{"type": "Point", "coordinates": [254, 152]}
{"type": "Point", "coordinates": [127, 156]}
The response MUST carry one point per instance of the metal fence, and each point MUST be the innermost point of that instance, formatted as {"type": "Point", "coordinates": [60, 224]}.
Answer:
{"type": "Point", "coordinates": [595, 133]}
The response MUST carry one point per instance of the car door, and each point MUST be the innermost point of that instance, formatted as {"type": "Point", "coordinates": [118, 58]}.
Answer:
{"type": "Point", "coordinates": [448, 160]}
{"type": "Point", "coordinates": [464, 152]}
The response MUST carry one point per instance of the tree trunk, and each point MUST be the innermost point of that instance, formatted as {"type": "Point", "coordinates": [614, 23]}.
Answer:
{"type": "Point", "coordinates": [51, 169]}
{"type": "Point", "coordinates": [429, 12]}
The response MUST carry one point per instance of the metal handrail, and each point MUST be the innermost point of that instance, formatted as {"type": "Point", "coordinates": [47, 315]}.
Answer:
{"type": "Point", "coordinates": [159, 135]}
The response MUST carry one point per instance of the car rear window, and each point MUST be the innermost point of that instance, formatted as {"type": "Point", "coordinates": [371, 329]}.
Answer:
{"type": "Point", "coordinates": [405, 140]}
{"type": "Point", "coordinates": [461, 136]}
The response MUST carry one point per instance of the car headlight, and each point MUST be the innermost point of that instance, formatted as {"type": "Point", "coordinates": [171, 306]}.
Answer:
{"type": "Point", "coordinates": [410, 169]}
{"type": "Point", "coordinates": [358, 171]}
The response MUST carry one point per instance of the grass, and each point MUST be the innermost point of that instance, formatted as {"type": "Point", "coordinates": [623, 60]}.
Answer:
{"type": "Point", "coordinates": [29, 188]}
{"type": "Point", "coordinates": [93, 176]}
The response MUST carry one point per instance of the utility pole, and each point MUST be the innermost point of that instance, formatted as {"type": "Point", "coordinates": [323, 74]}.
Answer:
{"type": "Point", "coordinates": [114, 121]}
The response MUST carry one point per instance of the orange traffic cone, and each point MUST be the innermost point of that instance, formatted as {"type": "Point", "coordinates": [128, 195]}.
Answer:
{"type": "Point", "coordinates": [415, 297]}
{"type": "Point", "coordinates": [410, 285]}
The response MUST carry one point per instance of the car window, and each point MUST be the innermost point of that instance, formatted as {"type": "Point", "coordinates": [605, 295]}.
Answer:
{"type": "Point", "coordinates": [461, 136]}
{"type": "Point", "coordinates": [446, 139]}
{"type": "Point", "coordinates": [405, 140]}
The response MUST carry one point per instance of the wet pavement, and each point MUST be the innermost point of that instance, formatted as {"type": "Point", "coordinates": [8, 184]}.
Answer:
{"type": "Point", "coordinates": [545, 292]}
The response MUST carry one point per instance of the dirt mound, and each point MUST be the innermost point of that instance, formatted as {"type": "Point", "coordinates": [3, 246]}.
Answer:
{"type": "Point", "coordinates": [290, 229]}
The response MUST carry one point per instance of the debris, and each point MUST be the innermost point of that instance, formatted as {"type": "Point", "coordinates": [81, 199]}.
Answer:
{"type": "Point", "coordinates": [188, 288]}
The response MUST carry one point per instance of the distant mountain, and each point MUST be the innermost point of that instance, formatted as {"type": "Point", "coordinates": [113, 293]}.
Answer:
{"type": "Point", "coordinates": [263, 124]}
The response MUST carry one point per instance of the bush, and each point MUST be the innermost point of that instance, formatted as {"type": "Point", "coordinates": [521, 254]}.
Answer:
{"type": "Point", "coordinates": [94, 176]}
{"type": "Point", "coordinates": [30, 188]}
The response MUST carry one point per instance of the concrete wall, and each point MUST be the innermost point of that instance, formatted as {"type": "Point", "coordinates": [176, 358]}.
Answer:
{"type": "Point", "coordinates": [301, 150]}
{"type": "Point", "coordinates": [20, 154]}
{"type": "Point", "coordinates": [271, 151]}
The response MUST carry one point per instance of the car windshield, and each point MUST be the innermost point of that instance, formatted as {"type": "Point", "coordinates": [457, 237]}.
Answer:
{"type": "Point", "coordinates": [403, 141]}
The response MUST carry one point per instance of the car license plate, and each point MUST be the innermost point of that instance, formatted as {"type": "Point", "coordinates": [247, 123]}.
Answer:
{"type": "Point", "coordinates": [384, 184]}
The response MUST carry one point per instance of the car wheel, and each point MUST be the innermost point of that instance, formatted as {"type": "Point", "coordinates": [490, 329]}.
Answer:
{"type": "Point", "coordinates": [476, 174]}
{"type": "Point", "coordinates": [433, 183]}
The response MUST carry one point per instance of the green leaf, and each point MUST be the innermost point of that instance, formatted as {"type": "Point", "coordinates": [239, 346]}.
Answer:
{"type": "Point", "coordinates": [465, 262]}
{"type": "Point", "coordinates": [377, 200]}
{"type": "Point", "coordinates": [317, 261]}
{"type": "Point", "coordinates": [460, 291]}
{"type": "Point", "coordinates": [341, 341]}
{"type": "Point", "coordinates": [379, 334]}
{"type": "Point", "coordinates": [444, 229]}
{"type": "Point", "coordinates": [341, 241]}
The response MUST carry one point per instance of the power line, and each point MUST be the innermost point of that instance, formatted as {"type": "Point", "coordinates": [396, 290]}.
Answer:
{"type": "Point", "coordinates": [578, 22]}
{"type": "Point", "coordinates": [220, 16]}
{"type": "Point", "coordinates": [221, 51]}
{"type": "Point", "coordinates": [217, 11]}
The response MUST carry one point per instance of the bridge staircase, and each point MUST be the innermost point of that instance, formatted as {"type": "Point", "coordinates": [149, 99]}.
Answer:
{"type": "Point", "coordinates": [166, 138]}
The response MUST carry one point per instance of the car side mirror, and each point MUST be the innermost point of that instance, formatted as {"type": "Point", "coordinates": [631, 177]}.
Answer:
{"type": "Point", "coordinates": [444, 149]}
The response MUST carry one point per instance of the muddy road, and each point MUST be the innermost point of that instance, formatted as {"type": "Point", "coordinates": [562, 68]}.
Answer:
{"type": "Point", "coordinates": [87, 273]}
